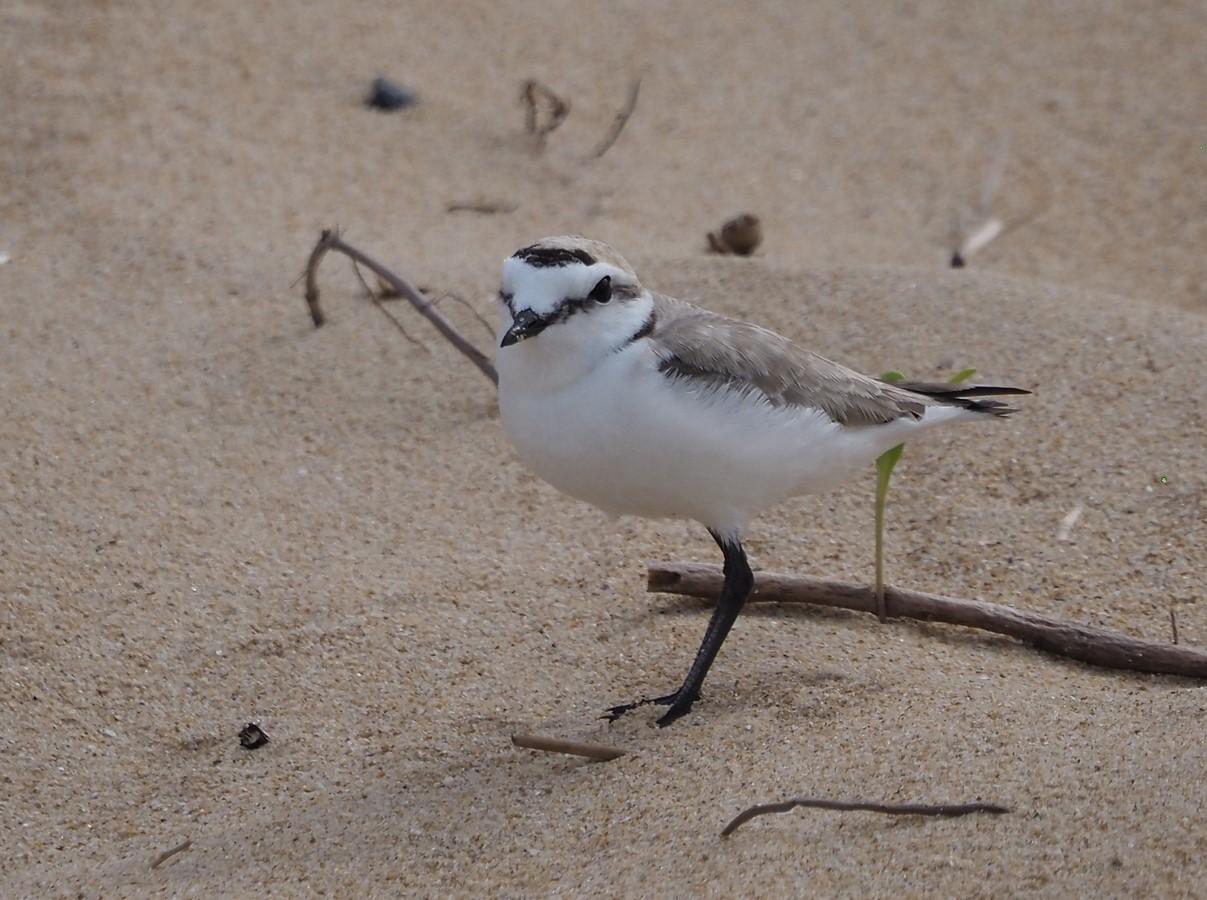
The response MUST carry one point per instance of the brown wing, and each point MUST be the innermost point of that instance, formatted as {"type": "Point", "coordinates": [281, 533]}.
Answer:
{"type": "Point", "coordinates": [718, 352]}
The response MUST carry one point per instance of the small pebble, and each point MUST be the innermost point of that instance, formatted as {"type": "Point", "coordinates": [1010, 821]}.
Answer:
{"type": "Point", "coordinates": [741, 236]}
{"type": "Point", "coordinates": [252, 737]}
{"type": "Point", "coordinates": [388, 96]}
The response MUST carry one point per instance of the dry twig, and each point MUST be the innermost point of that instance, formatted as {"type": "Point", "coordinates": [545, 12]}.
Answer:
{"type": "Point", "coordinates": [896, 809]}
{"type": "Point", "coordinates": [330, 240]}
{"type": "Point", "coordinates": [1066, 524]}
{"type": "Point", "coordinates": [575, 748]}
{"type": "Point", "coordinates": [1087, 643]}
{"type": "Point", "coordinates": [485, 207]}
{"type": "Point", "coordinates": [988, 227]}
{"type": "Point", "coordinates": [531, 95]}
{"type": "Point", "coordinates": [377, 298]}
{"type": "Point", "coordinates": [1173, 624]}
{"type": "Point", "coordinates": [456, 298]}
{"type": "Point", "coordinates": [622, 119]}
{"type": "Point", "coordinates": [168, 854]}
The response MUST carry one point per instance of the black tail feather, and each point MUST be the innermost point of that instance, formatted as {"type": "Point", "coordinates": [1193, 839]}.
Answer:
{"type": "Point", "coordinates": [961, 395]}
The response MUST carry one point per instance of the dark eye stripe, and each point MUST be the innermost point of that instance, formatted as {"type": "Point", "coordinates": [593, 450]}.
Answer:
{"type": "Point", "coordinates": [572, 305]}
{"type": "Point", "coordinates": [569, 307]}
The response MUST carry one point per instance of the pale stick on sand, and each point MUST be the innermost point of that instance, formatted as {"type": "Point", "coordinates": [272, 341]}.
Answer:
{"type": "Point", "coordinates": [1087, 643]}
{"type": "Point", "coordinates": [1067, 523]}
{"type": "Point", "coordinates": [169, 853]}
{"type": "Point", "coordinates": [574, 748]}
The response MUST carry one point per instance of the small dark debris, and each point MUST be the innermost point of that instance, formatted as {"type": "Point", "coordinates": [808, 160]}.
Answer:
{"type": "Point", "coordinates": [485, 207]}
{"type": "Point", "coordinates": [957, 261]}
{"type": "Point", "coordinates": [540, 103]}
{"type": "Point", "coordinates": [388, 96]}
{"type": "Point", "coordinates": [252, 737]}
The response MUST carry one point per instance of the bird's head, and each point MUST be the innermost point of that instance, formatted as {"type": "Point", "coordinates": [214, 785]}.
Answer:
{"type": "Point", "coordinates": [569, 295]}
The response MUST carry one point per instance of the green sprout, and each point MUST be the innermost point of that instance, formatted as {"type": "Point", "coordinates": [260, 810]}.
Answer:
{"type": "Point", "coordinates": [884, 473]}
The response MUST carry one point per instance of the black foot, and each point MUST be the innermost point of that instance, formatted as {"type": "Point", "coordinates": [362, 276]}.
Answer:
{"type": "Point", "coordinates": [676, 710]}
{"type": "Point", "coordinates": [616, 712]}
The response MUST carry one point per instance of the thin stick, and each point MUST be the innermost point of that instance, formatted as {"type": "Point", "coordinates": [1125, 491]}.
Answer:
{"type": "Point", "coordinates": [486, 207]}
{"type": "Point", "coordinates": [993, 178]}
{"type": "Point", "coordinates": [622, 119]}
{"type": "Point", "coordinates": [1087, 643]}
{"type": "Point", "coordinates": [330, 240]}
{"type": "Point", "coordinates": [1067, 523]}
{"type": "Point", "coordinates": [372, 295]}
{"type": "Point", "coordinates": [168, 854]}
{"type": "Point", "coordinates": [456, 298]}
{"type": "Point", "coordinates": [1173, 624]}
{"type": "Point", "coordinates": [990, 228]}
{"type": "Point", "coordinates": [575, 748]}
{"type": "Point", "coordinates": [894, 809]}
{"type": "Point", "coordinates": [558, 110]}
{"type": "Point", "coordinates": [980, 237]}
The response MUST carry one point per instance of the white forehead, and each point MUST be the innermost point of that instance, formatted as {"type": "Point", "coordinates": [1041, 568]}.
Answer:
{"type": "Point", "coordinates": [542, 288]}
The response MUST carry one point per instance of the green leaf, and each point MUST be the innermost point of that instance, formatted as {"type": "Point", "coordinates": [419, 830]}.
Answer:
{"type": "Point", "coordinates": [884, 473]}
{"type": "Point", "coordinates": [961, 376]}
{"type": "Point", "coordinates": [886, 461]}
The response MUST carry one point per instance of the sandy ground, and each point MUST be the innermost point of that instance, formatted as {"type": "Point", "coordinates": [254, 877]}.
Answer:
{"type": "Point", "coordinates": [213, 513]}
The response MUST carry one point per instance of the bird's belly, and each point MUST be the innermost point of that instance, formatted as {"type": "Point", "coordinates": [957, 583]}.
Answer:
{"type": "Point", "coordinates": [662, 451]}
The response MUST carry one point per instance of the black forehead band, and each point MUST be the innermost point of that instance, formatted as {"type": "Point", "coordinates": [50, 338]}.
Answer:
{"type": "Point", "coordinates": [547, 257]}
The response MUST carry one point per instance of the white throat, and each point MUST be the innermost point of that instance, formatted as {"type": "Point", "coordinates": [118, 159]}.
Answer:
{"type": "Point", "coordinates": [569, 350]}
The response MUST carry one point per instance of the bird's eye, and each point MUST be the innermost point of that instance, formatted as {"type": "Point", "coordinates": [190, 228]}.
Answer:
{"type": "Point", "coordinates": [602, 292]}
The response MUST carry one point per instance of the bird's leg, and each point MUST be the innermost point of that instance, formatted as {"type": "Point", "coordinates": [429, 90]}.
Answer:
{"type": "Point", "coordinates": [738, 583]}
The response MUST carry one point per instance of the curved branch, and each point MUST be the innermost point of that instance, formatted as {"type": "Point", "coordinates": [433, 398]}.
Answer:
{"type": "Point", "coordinates": [330, 240]}
{"type": "Point", "coordinates": [1087, 643]}
{"type": "Point", "coordinates": [376, 301]}
{"type": "Point", "coordinates": [558, 110]}
{"type": "Point", "coordinates": [618, 123]}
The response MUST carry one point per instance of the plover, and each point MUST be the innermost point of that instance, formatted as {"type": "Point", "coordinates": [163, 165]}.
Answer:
{"type": "Point", "coordinates": [644, 405]}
